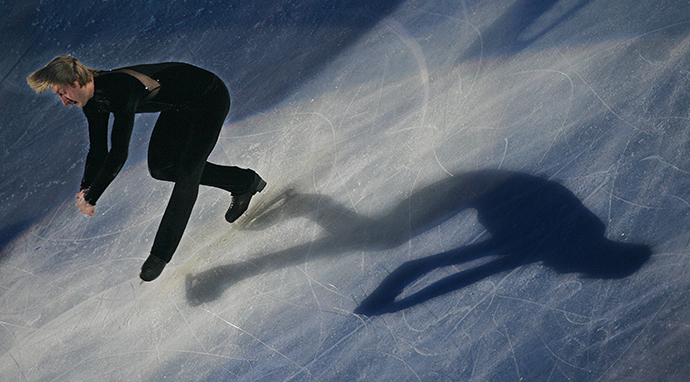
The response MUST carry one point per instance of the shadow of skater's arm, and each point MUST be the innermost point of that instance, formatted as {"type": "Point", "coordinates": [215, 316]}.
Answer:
{"type": "Point", "coordinates": [381, 299]}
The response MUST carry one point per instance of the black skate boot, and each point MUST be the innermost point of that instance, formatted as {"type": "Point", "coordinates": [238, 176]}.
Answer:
{"type": "Point", "coordinates": [240, 202]}
{"type": "Point", "coordinates": [152, 268]}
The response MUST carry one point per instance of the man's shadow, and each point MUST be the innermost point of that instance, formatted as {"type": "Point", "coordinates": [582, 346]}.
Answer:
{"type": "Point", "coordinates": [530, 219]}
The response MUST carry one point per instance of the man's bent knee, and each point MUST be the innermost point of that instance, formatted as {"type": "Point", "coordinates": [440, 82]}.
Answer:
{"type": "Point", "coordinates": [162, 173]}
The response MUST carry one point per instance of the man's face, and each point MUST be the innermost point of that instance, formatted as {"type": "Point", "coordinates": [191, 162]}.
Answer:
{"type": "Point", "coordinates": [73, 94]}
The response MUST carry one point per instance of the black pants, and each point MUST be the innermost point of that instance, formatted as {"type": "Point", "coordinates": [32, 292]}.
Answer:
{"type": "Point", "coordinates": [180, 144]}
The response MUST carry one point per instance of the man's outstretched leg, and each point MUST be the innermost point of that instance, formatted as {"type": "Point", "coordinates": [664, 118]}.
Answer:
{"type": "Point", "coordinates": [177, 215]}
{"type": "Point", "coordinates": [240, 201]}
{"type": "Point", "coordinates": [241, 183]}
{"type": "Point", "coordinates": [180, 145]}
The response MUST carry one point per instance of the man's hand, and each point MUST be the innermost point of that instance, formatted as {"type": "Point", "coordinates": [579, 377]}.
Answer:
{"type": "Point", "coordinates": [83, 205]}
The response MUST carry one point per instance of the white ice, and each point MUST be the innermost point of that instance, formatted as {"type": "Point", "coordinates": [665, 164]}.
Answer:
{"type": "Point", "coordinates": [347, 116]}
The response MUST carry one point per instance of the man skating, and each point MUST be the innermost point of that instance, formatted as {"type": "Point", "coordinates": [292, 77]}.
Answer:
{"type": "Point", "coordinates": [193, 104]}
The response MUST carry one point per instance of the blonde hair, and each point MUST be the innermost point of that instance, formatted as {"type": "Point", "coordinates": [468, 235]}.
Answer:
{"type": "Point", "coordinates": [61, 70]}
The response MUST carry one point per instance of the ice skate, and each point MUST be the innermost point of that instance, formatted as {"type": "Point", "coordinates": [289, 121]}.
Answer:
{"type": "Point", "coordinates": [240, 202]}
{"type": "Point", "coordinates": [152, 268]}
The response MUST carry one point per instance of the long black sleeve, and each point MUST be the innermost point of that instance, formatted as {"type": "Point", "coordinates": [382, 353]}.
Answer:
{"type": "Point", "coordinates": [98, 146]}
{"type": "Point", "coordinates": [119, 94]}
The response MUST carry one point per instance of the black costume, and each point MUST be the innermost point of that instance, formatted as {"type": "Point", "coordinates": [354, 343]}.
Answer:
{"type": "Point", "coordinates": [193, 104]}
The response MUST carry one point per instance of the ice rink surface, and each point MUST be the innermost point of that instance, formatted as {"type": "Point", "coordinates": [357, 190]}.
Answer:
{"type": "Point", "coordinates": [441, 177]}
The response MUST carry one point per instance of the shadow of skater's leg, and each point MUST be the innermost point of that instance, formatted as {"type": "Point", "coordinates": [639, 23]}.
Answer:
{"type": "Point", "coordinates": [412, 270]}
